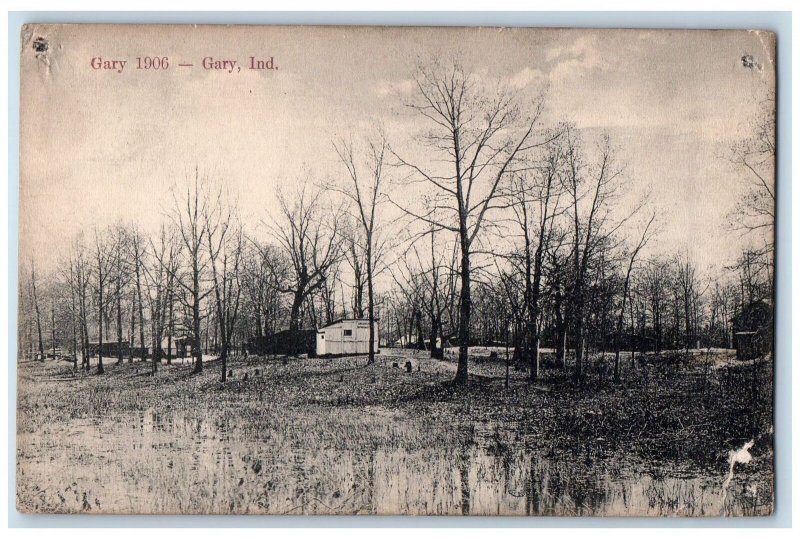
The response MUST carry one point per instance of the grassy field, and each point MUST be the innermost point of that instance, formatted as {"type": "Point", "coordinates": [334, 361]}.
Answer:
{"type": "Point", "coordinates": [337, 436]}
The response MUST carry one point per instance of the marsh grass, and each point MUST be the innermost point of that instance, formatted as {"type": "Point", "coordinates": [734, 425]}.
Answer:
{"type": "Point", "coordinates": [321, 436]}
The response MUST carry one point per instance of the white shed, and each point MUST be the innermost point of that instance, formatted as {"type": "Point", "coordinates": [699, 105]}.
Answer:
{"type": "Point", "coordinates": [348, 336]}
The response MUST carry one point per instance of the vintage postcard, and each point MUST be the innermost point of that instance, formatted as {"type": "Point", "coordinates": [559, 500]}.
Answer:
{"type": "Point", "coordinates": [396, 271]}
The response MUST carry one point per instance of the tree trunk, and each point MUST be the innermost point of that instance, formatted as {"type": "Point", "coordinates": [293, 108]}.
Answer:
{"type": "Point", "coordinates": [578, 341]}
{"type": "Point", "coordinates": [53, 327]}
{"type": "Point", "coordinates": [133, 327]}
{"type": "Point", "coordinates": [223, 356]}
{"type": "Point", "coordinates": [297, 303]}
{"type": "Point", "coordinates": [100, 326]}
{"type": "Point", "coordinates": [258, 323]}
{"type": "Point", "coordinates": [420, 334]}
{"type": "Point", "coordinates": [143, 351]}
{"type": "Point", "coordinates": [530, 321]}
{"type": "Point", "coordinates": [534, 309]}
{"type": "Point", "coordinates": [358, 292]}
{"type": "Point", "coordinates": [634, 336]}
{"type": "Point", "coordinates": [206, 347]}
{"type": "Point", "coordinates": [74, 322]}
{"type": "Point", "coordinates": [29, 327]}
{"type": "Point", "coordinates": [437, 349]}
{"type": "Point", "coordinates": [465, 310]}
{"type": "Point", "coordinates": [370, 307]}
{"type": "Point", "coordinates": [222, 322]}
{"type": "Point", "coordinates": [170, 325]}
{"type": "Point", "coordinates": [84, 325]}
{"type": "Point", "coordinates": [38, 314]}
{"type": "Point", "coordinates": [197, 350]}
{"type": "Point", "coordinates": [119, 310]}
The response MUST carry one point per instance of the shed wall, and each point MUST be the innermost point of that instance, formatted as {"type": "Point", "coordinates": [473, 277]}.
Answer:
{"type": "Point", "coordinates": [332, 339]}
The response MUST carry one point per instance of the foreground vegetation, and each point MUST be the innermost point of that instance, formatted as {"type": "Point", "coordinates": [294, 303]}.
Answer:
{"type": "Point", "coordinates": [340, 436]}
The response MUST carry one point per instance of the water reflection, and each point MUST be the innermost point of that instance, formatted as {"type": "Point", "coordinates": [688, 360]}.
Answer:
{"type": "Point", "coordinates": [184, 464]}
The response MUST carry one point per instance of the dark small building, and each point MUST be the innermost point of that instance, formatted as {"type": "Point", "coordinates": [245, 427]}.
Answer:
{"type": "Point", "coordinates": [287, 342]}
{"type": "Point", "coordinates": [752, 330]}
{"type": "Point", "coordinates": [110, 349]}
{"type": "Point", "coordinates": [183, 346]}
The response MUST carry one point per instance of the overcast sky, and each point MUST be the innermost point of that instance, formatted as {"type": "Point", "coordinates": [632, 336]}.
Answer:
{"type": "Point", "coordinates": [98, 146]}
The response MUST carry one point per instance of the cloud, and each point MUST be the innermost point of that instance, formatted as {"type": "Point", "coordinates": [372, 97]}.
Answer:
{"type": "Point", "coordinates": [582, 56]}
{"type": "Point", "coordinates": [402, 87]}
{"type": "Point", "coordinates": [526, 76]}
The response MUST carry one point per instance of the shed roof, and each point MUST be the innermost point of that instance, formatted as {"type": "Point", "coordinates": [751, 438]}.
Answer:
{"type": "Point", "coordinates": [753, 316]}
{"type": "Point", "coordinates": [347, 320]}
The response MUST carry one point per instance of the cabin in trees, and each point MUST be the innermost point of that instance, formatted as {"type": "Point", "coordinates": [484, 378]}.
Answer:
{"type": "Point", "coordinates": [348, 336]}
{"type": "Point", "coordinates": [752, 330]}
{"type": "Point", "coordinates": [287, 342]}
{"type": "Point", "coordinates": [114, 349]}
{"type": "Point", "coordinates": [181, 346]}
{"type": "Point", "coordinates": [110, 349]}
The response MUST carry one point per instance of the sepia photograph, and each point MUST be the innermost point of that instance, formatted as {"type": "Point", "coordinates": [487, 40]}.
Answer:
{"type": "Point", "coordinates": [363, 270]}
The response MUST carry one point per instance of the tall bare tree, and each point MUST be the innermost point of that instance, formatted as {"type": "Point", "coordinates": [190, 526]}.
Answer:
{"type": "Point", "coordinates": [626, 287]}
{"type": "Point", "coordinates": [120, 268]}
{"type": "Point", "coordinates": [308, 233]}
{"type": "Point", "coordinates": [355, 257]}
{"type": "Point", "coordinates": [655, 289]}
{"type": "Point", "coordinates": [138, 253]}
{"type": "Point", "coordinates": [366, 190]}
{"type": "Point", "coordinates": [83, 275]}
{"type": "Point", "coordinates": [159, 278]}
{"type": "Point", "coordinates": [264, 271]}
{"type": "Point", "coordinates": [224, 237]}
{"type": "Point", "coordinates": [188, 216]}
{"type": "Point", "coordinates": [535, 199]}
{"type": "Point", "coordinates": [35, 301]}
{"type": "Point", "coordinates": [103, 259]}
{"type": "Point", "coordinates": [754, 156]}
{"type": "Point", "coordinates": [591, 186]}
{"type": "Point", "coordinates": [689, 286]}
{"type": "Point", "coordinates": [73, 293]}
{"type": "Point", "coordinates": [439, 282]}
{"type": "Point", "coordinates": [483, 138]}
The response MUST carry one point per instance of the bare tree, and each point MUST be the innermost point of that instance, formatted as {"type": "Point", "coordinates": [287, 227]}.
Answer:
{"type": "Point", "coordinates": [626, 286]}
{"type": "Point", "coordinates": [121, 277]}
{"type": "Point", "coordinates": [53, 326]}
{"type": "Point", "coordinates": [591, 188]}
{"type": "Point", "coordinates": [69, 283]}
{"type": "Point", "coordinates": [321, 303]}
{"type": "Point", "coordinates": [655, 285]}
{"type": "Point", "coordinates": [159, 278]}
{"type": "Point", "coordinates": [411, 300]}
{"type": "Point", "coordinates": [366, 191]}
{"type": "Point", "coordinates": [188, 216]}
{"type": "Point", "coordinates": [355, 257]}
{"type": "Point", "coordinates": [264, 270]}
{"type": "Point", "coordinates": [535, 199]}
{"type": "Point", "coordinates": [83, 275]}
{"type": "Point", "coordinates": [103, 260]}
{"type": "Point", "coordinates": [73, 292]}
{"type": "Point", "coordinates": [224, 237]}
{"type": "Point", "coordinates": [755, 157]}
{"type": "Point", "coordinates": [483, 139]}
{"type": "Point", "coordinates": [440, 281]}
{"type": "Point", "coordinates": [689, 285]}
{"type": "Point", "coordinates": [138, 253]}
{"type": "Point", "coordinates": [309, 235]}
{"type": "Point", "coordinates": [35, 301]}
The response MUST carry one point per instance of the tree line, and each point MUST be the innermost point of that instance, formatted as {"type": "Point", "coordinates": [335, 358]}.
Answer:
{"type": "Point", "coordinates": [491, 227]}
